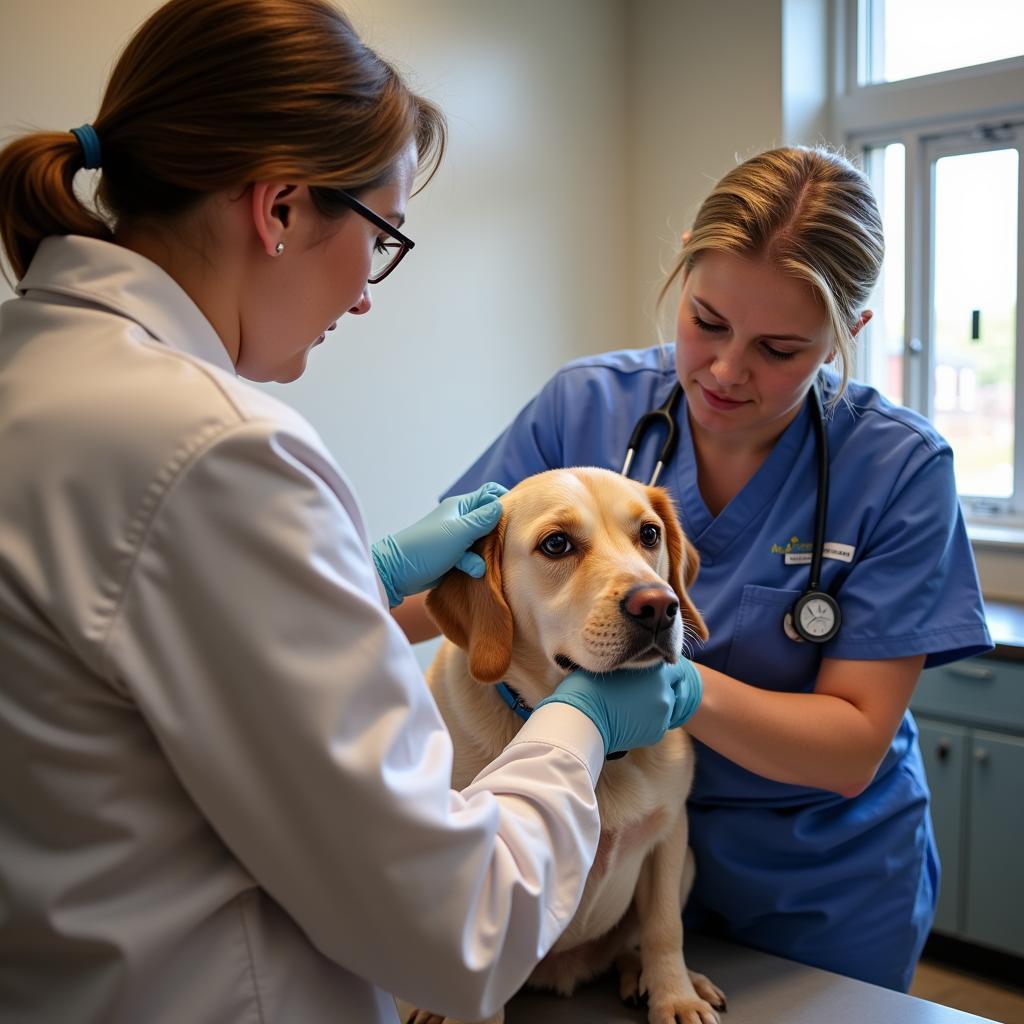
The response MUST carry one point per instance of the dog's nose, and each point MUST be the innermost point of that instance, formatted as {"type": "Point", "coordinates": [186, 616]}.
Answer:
{"type": "Point", "coordinates": [654, 608]}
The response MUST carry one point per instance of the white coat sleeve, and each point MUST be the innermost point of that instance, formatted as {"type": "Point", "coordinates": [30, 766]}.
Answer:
{"type": "Point", "coordinates": [252, 636]}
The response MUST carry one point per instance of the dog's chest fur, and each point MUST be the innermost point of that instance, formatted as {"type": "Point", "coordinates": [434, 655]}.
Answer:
{"type": "Point", "coordinates": [640, 796]}
{"type": "Point", "coordinates": [640, 799]}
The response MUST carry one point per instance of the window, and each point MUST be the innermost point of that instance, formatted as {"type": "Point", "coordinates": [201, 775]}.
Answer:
{"type": "Point", "coordinates": [882, 344]}
{"type": "Point", "coordinates": [902, 39]}
{"type": "Point", "coordinates": [974, 271]}
{"type": "Point", "coordinates": [941, 133]}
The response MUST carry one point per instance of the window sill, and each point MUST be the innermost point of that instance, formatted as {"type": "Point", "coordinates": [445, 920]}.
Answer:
{"type": "Point", "coordinates": [992, 536]}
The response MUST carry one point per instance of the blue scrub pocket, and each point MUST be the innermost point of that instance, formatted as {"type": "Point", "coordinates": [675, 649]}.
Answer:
{"type": "Point", "coordinates": [760, 653]}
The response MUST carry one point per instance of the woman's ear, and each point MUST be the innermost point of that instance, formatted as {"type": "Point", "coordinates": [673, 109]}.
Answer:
{"type": "Point", "coordinates": [864, 318]}
{"type": "Point", "coordinates": [272, 215]}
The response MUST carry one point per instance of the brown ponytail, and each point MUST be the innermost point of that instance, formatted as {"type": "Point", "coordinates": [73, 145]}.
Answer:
{"type": "Point", "coordinates": [214, 94]}
{"type": "Point", "coordinates": [37, 198]}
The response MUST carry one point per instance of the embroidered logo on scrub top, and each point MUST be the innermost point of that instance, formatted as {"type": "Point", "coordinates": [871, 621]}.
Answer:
{"type": "Point", "coordinates": [798, 552]}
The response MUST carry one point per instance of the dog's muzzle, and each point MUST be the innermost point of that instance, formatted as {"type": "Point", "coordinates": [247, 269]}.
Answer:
{"type": "Point", "coordinates": [652, 613]}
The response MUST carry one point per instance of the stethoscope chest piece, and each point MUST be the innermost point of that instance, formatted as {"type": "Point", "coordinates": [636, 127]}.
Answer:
{"type": "Point", "coordinates": [815, 618]}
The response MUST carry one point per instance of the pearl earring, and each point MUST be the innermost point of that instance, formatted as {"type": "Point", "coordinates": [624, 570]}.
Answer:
{"type": "Point", "coordinates": [279, 248]}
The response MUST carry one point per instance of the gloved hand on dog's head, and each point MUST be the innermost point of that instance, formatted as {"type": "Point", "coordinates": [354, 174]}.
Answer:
{"type": "Point", "coordinates": [414, 559]}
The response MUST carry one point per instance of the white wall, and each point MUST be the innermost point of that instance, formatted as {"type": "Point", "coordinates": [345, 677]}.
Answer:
{"type": "Point", "coordinates": [705, 88]}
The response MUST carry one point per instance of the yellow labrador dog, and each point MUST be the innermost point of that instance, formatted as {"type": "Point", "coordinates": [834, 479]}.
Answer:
{"type": "Point", "coordinates": [586, 569]}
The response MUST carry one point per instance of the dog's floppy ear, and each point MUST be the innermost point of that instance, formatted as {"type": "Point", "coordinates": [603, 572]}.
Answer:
{"type": "Point", "coordinates": [682, 557]}
{"type": "Point", "coordinates": [474, 614]}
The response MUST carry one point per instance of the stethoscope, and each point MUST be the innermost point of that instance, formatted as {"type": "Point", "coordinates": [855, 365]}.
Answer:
{"type": "Point", "coordinates": [815, 616]}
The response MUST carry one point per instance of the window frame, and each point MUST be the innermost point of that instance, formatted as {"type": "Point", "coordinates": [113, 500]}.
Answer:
{"type": "Point", "coordinates": [977, 90]}
{"type": "Point", "coordinates": [924, 114]}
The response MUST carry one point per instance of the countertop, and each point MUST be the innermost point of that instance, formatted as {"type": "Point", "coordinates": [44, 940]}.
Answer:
{"type": "Point", "coordinates": [760, 988]}
{"type": "Point", "coordinates": [1006, 624]}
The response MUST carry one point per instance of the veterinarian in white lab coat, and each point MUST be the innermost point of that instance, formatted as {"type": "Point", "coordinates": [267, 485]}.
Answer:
{"type": "Point", "coordinates": [809, 809]}
{"type": "Point", "coordinates": [224, 786]}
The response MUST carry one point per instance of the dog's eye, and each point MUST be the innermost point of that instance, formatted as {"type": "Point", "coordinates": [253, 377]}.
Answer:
{"type": "Point", "coordinates": [556, 545]}
{"type": "Point", "coordinates": [649, 535]}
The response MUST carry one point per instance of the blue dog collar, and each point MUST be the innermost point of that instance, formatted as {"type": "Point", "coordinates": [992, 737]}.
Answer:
{"type": "Point", "coordinates": [514, 701]}
{"type": "Point", "coordinates": [523, 710]}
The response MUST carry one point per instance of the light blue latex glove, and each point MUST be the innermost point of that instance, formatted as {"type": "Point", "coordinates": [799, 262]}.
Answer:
{"type": "Point", "coordinates": [416, 558]}
{"type": "Point", "coordinates": [633, 707]}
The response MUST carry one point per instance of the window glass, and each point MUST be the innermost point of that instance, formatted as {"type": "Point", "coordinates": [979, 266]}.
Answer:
{"type": "Point", "coordinates": [907, 38]}
{"type": "Point", "coordinates": [974, 315]}
{"type": "Point", "coordinates": [881, 341]}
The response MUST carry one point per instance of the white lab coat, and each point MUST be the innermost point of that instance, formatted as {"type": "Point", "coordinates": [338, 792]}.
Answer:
{"type": "Point", "coordinates": [224, 786]}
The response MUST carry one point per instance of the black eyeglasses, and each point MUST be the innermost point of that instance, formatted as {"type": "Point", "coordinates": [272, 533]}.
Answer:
{"type": "Point", "coordinates": [386, 254]}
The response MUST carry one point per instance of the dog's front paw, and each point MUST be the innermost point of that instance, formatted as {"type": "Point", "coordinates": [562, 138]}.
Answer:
{"type": "Point", "coordinates": [425, 1017]}
{"type": "Point", "coordinates": [630, 968]}
{"type": "Point", "coordinates": [708, 990]}
{"type": "Point", "coordinates": [410, 1015]}
{"type": "Point", "coordinates": [681, 1010]}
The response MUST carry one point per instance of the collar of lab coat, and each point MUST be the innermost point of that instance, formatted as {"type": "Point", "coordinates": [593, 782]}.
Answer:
{"type": "Point", "coordinates": [120, 280]}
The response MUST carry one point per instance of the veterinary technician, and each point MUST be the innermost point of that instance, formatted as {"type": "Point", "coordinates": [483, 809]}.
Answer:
{"type": "Point", "coordinates": [809, 814]}
{"type": "Point", "coordinates": [224, 787]}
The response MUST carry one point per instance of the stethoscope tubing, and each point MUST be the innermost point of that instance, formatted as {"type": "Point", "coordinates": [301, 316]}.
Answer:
{"type": "Point", "coordinates": [821, 502]}
{"type": "Point", "coordinates": [664, 415]}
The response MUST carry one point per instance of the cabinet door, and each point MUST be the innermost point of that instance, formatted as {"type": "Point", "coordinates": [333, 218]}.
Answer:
{"type": "Point", "coordinates": [944, 749]}
{"type": "Point", "coordinates": [994, 908]}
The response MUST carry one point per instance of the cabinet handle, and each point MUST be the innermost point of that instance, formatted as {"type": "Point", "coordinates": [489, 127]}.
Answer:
{"type": "Point", "coordinates": [973, 672]}
{"type": "Point", "coordinates": [943, 748]}
{"type": "Point", "coordinates": [981, 755]}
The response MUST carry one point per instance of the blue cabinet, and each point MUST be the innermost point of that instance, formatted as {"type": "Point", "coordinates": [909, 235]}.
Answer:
{"type": "Point", "coordinates": [945, 748]}
{"type": "Point", "coordinates": [994, 913]}
{"type": "Point", "coordinates": [971, 718]}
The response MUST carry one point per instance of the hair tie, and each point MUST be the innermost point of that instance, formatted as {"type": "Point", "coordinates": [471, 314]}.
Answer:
{"type": "Point", "coordinates": [90, 143]}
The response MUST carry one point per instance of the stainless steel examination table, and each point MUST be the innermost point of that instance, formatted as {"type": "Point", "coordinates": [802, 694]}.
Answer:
{"type": "Point", "coordinates": [761, 989]}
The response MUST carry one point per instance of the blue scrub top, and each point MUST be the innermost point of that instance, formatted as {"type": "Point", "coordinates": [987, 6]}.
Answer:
{"type": "Point", "coordinates": [846, 884]}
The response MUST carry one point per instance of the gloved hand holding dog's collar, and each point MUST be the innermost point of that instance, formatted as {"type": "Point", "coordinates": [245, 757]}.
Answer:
{"type": "Point", "coordinates": [633, 707]}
